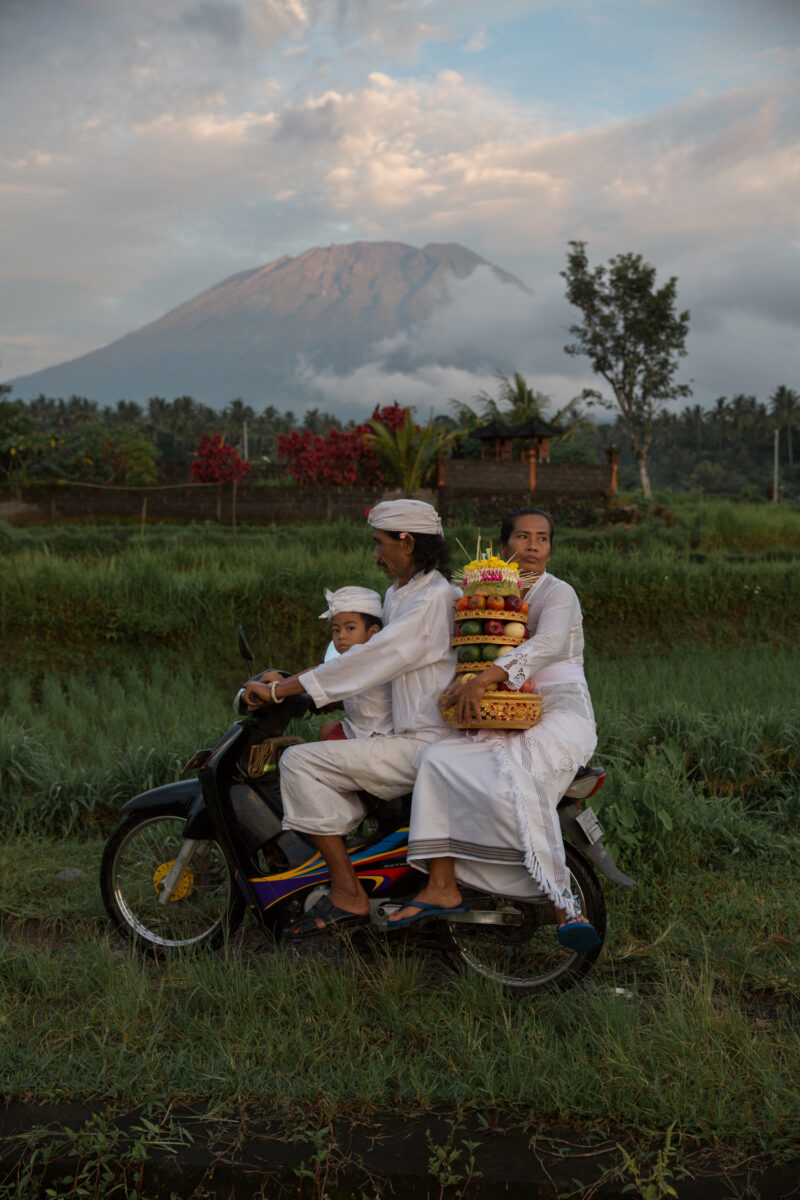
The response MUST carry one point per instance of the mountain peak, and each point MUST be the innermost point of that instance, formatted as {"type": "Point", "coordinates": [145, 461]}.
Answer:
{"type": "Point", "coordinates": [244, 336]}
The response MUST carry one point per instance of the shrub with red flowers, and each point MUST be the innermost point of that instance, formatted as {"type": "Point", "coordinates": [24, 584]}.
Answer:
{"type": "Point", "coordinates": [215, 461]}
{"type": "Point", "coordinates": [342, 459]}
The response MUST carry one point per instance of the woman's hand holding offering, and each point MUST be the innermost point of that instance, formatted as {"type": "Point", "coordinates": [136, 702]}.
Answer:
{"type": "Point", "coordinates": [468, 693]}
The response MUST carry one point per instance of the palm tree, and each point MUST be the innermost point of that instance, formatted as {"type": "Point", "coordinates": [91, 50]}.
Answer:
{"type": "Point", "coordinates": [523, 403]}
{"type": "Point", "coordinates": [408, 455]}
{"type": "Point", "coordinates": [785, 412]}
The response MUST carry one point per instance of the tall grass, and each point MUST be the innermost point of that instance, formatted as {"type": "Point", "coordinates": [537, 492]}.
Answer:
{"type": "Point", "coordinates": [187, 599]}
{"type": "Point", "coordinates": [698, 732]}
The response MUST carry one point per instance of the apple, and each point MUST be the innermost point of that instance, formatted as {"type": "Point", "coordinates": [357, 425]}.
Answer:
{"type": "Point", "coordinates": [493, 628]}
{"type": "Point", "coordinates": [466, 677]}
{"type": "Point", "coordinates": [512, 603]}
{"type": "Point", "coordinates": [462, 604]}
{"type": "Point", "coordinates": [477, 601]}
{"type": "Point", "coordinates": [528, 686]}
{"type": "Point", "coordinates": [497, 602]}
{"type": "Point", "coordinates": [524, 610]}
{"type": "Point", "coordinates": [515, 629]}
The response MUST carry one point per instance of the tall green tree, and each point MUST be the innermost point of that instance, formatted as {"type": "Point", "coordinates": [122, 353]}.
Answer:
{"type": "Point", "coordinates": [633, 338]}
{"type": "Point", "coordinates": [785, 410]}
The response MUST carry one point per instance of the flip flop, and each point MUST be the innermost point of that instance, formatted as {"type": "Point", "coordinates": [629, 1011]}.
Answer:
{"type": "Point", "coordinates": [579, 936]}
{"type": "Point", "coordinates": [426, 910]}
{"type": "Point", "coordinates": [333, 916]}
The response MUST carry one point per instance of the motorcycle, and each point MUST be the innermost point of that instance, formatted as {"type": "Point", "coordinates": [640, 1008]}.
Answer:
{"type": "Point", "coordinates": [189, 857]}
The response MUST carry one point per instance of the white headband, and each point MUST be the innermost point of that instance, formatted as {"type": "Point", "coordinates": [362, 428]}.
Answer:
{"type": "Point", "coordinates": [409, 516]}
{"type": "Point", "coordinates": [352, 599]}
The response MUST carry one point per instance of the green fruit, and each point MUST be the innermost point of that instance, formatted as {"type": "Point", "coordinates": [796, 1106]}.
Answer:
{"type": "Point", "coordinates": [469, 654]}
{"type": "Point", "coordinates": [490, 653]}
{"type": "Point", "coordinates": [470, 628]}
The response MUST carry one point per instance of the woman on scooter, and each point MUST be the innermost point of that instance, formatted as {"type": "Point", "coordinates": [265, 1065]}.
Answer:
{"type": "Point", "coordinates": [484, 809]}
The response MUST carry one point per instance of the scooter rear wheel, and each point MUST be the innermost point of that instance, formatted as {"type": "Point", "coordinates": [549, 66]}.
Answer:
{"type": "Point", "coordinates": [206, 906]}
{"type": "Point", "coordinates": [527, 957]}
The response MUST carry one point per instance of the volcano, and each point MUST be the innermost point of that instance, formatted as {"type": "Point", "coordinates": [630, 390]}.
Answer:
{"type": "Point", "coordinates": [262, 334]}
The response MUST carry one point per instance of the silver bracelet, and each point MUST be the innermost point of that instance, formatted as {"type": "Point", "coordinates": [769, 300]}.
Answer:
{"type": "Point", "coordinates": [273, 684]}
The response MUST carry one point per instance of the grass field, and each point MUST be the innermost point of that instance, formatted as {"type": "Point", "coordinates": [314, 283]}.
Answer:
{"type": "Point", "coordinates": [690, 1021]}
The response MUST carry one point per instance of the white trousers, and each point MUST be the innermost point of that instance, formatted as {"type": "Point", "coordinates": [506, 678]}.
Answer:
{"type": "Point", "coordinates": [320, 781]}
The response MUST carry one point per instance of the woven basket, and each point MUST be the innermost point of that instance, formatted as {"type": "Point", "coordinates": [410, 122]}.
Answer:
{"type": "Point", "coordinates": [501, 710]}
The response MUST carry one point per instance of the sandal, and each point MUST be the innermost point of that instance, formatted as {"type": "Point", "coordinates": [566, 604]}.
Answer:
{"type": "Point", "coordinates": [329, 913]}
{"type": "Point", "coordinates": [425, 911]}
{"type": "Point", "coordinates": [578, 935]}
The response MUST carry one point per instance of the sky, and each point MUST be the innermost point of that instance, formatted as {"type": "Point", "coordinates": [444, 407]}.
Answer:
{"type": "Point", "coordinates": [151, 148]}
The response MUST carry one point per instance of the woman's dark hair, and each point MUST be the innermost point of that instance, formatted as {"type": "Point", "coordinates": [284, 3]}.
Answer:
{"type": "Point", "coordinates": [369, 620]}
{"type": "Point", "coordinates": [430, 551]}
{"type": "Point", "coordinates": [510, 520]}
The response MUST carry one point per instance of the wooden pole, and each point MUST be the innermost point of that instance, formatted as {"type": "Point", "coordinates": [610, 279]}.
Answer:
{"type": "Point", "coordinates": [775, 467]}
{"type": "Point", "coordinates": [233, 508]}
{"type": "Point", "coordinates": [144, 514]}
{"type": "Point", "coordinates": [532, 470]}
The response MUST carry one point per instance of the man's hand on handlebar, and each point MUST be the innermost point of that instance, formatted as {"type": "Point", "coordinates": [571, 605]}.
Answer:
{"type": "Point", "coordinates": [257, 691]}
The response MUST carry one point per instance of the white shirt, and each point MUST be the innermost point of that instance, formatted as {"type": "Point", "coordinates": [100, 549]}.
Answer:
{"type": "Point", "coordinates": [412, 652]}
{"type": "Point", "coordinates": [369, 712]}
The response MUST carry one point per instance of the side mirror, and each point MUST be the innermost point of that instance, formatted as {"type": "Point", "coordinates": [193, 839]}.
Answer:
{"type": "Point", "coordinates": [245, 649]}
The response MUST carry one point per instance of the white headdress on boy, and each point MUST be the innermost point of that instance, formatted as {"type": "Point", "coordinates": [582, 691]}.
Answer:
{"type": "Point", "coordinates": [352, 599]}
{"type": "Point", "coordinates": [405, 516]}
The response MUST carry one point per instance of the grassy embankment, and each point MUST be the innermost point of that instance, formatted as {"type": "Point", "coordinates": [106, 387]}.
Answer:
{"type": "Point", "coordinates": [701, 737]}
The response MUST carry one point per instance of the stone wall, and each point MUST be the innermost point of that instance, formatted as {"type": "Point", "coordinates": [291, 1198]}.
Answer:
{"type": "Point", "coordinates": [571, 479]}
{"type": "Point", "coordinates": [473, 491]}
{"type": "Point", "coordinates": [562, 479]}
{"type": "Point", "coordinates": [469, 475]}
{"type": "Point", "coordinates": [255, 505]}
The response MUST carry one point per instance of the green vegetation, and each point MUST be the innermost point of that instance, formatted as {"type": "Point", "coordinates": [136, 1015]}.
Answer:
{"type": "Point", "coordinates": [120, 661]}
{"type": "Point", "coordinates": [103, 595]}
{"type": "Point", "coordinates": [633, 338]}
{"type": "Point", "coordinates": [725, 449]}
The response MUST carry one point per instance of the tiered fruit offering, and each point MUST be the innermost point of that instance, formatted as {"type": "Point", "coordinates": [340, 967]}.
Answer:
{"type": "Point", "coordinates": [491, 615]}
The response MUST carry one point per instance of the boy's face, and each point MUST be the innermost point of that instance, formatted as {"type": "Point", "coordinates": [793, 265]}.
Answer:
{"type": "Point", "coordinates": [350, 629]}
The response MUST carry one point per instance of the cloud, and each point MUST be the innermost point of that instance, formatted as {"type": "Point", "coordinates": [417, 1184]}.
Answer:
{"type": "Point", "coordinates": [158, 147]}
{"type": "Point", "coordinates": [477, 42]}
{"type": "Point", "coordinates": [218, 18]}
{"type": "Point", "coordinates": [482, 325]}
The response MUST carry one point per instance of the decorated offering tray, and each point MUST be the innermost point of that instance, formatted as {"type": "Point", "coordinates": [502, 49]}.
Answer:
{"type": "Point", "coordinates": [501, 710]}
{"type": "Point", "coordinates": [462, 668]}
{"type": "Point", "coordinates": [491, 618]}
{"type": "Point", "coordinates": [496, 639]}
{"type": "Point", "coordinates": [489, 614]}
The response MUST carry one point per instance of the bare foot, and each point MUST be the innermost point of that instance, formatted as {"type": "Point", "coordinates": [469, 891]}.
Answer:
{"type": "Point", "coordinates": [449, 897]}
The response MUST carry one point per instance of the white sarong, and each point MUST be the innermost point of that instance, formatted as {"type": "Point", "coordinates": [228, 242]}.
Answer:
{"type": "Point", "coordinates": [489, 799]}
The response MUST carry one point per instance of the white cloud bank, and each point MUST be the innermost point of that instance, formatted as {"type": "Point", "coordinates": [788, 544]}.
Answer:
{"type": "Point", "coordinates": [155, 154]}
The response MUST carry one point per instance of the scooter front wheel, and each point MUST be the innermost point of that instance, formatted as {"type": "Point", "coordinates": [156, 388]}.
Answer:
{"type": "Point", "coordinates": [525, 956]}
{"type": "Point", "coordinates": [206, 906]}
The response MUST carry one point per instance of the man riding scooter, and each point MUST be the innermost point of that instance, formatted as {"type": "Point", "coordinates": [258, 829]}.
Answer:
{"type": "Point", "coordinates": [320, 781]}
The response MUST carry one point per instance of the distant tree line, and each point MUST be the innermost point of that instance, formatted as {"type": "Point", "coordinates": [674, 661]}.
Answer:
{"type": "Point", "coordinates": [727, 448]}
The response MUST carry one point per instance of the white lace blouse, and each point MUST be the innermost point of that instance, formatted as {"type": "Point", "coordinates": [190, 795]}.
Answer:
{"type": "Point", "coordinates": [553, 654]}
